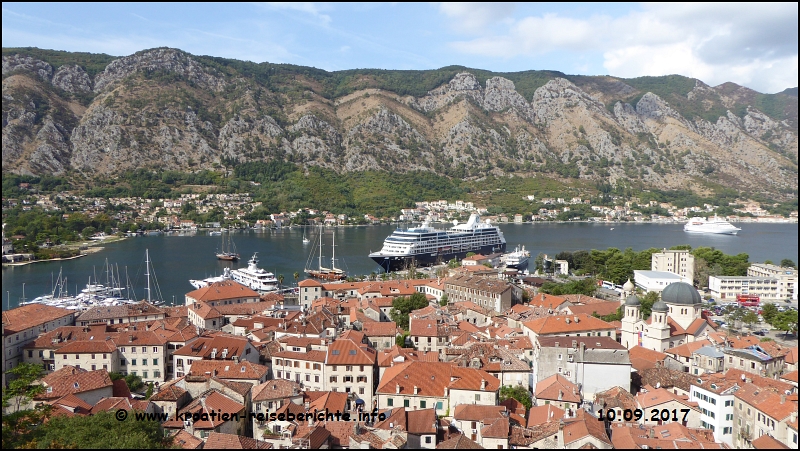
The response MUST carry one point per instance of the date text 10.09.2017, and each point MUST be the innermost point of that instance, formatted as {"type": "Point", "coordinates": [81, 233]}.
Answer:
{"type": "Point", "coordinates": [663, 415]}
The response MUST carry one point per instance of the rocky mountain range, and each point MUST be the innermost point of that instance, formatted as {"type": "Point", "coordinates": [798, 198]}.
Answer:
{"type": "Point", "coordinates": [164, 108]}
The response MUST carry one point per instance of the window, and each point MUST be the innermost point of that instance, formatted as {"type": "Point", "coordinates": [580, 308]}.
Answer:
{"type": "Point", "coordinates": [334, 379]}
{"type": "Point", "coordinates": [729, 403]}
{"type": "Point", "coordinates": [360, 390]}
{"type": "Point", "coordinates": [727, 431]}
{"type": "Point", "coordinates": [65, 356]}
{"type": "Point", "coordinates": [133, 349]}
{"type": "Point", "coordinates": [427, 439]}
{"type": "Point", "coordinates": [406, 403]}
{"type": "Point", "coordinates": [144, 374]}
{"type": "Point", "coordinates": [477, 397]}
{"type": "Point", "coordinates": [155, 349]}
{"type": "Point", "coordinates": [728, 417]}
{"type": "Point", "coordinates": [94, 367]}
{"type": "Point", "coordinates": [334, 367]}
{"type": "Point", "coordinates": [144, 361]}
{"type": "Point", "coordinates": [439, 405]}
{"type": "Point", "coordinates": [156, 374]}
{"type": "Point", "coordinates": [349, 368]}
{"type": "Point", "coordinates": [559, 357]}
{"type": "Point", "coordinates": [133, 362]}
{"type": "Point", "coordinates": [155, 361]}
{"type": "Point", "coordinates": [389, 402]}
{"type": "Point", "coordinates": [316, 378]}
{"type": "Point", "coordinates": [422, 404]}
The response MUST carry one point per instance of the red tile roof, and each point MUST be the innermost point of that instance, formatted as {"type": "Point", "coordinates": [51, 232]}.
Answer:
{"type": "Point", "coordinates": [542, 414]}
{"type": "Point", "coordinates": [31, 315]}
{"type": "Point", "coordinates": [567, 324]}
{"type": "Point", "coordinates": [225, 290]}
{"type": "Point", "coordinates": [768, 442]}
{"type": "Point", "coordinates": [474, 412]}
{"type": "Point", "coordinates": [217, 440]}
{"type": "Point", "coordinates": [557, 388]}
{"type": "Point", "coordinates": [70, 379]}
{"type": "Point", "coordinates": [213, 401]}
{"type": "Point", "coordinates": [275, 389]}
{"type": "Point", "coordinates": [347, 352]}
{"type": "Point", "coordinates": [225, 369]}
{"type": "Point", "coordinates": [380, 329]}
{"type": "Point", "coordinates": [421, 421]}
{"type": "Point", "coordinates": [431, 379]}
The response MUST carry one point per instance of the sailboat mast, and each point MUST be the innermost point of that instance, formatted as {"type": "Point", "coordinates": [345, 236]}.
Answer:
{"type": "Point", "coordinates": [147, 271]}
{"type": "Point", "coordinates": [321, 230]}
{"type": "Point", "coordinates": [333, 251]}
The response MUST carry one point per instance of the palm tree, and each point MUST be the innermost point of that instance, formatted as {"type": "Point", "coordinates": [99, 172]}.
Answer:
{"type": "Point", "coordinates": [280, 281]}
{"type": "Point", "coordinates": [296, 276]}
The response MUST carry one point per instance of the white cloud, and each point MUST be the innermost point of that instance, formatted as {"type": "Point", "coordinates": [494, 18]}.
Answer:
{"type": "Point", "coordinates": [475, 17]}
{"type": "Point", "coordinates": [305, 7]}
{"type": "Point", "coordinates": [751, 44]}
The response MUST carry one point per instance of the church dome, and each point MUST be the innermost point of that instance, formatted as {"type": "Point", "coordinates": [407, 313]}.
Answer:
{"type": "Point", "coordinates": [660, 306]}
{"type": "Point", "coordinates": [628, 286]}
{"type": "Point", "coordinates": [633, 301]}
{"type": "Point", "coordinates": [680, 293]}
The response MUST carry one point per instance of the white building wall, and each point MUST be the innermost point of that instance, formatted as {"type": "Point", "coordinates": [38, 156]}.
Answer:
{"type": "Point", "coordinates": [597, 377]}
{"type": "Point", "coordinates": [722, 414]}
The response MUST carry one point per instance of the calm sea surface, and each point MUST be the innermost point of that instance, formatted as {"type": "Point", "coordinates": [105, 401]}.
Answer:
{"type": "Point", "coordinates": [176, 259]}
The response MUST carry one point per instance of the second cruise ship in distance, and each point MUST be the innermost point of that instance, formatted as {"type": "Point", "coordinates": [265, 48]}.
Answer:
{"type": "Point", "coordinates": [424, 245]}
{"type": "Point", "coordinates": [712, 225]}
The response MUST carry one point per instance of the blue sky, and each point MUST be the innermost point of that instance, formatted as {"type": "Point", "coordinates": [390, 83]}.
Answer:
{"type": "Point", "coordinates": [754, 45]}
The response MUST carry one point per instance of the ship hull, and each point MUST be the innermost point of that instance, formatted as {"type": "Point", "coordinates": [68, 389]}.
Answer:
{"type": "Point", "coordinates": [390, 263]}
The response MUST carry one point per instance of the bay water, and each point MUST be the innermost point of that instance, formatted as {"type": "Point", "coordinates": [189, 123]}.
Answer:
{"type": "Point", "coordinates": [178, 258]}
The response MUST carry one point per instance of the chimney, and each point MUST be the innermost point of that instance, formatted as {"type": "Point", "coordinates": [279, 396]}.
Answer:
{"type": "Point", "coordinates": [483, 384]}
{"type": "Point", "coordinates": [416, 390]}
{"type": "Point", "coordinates": [783, 399]}
{"type": "Point", "coordinates": [560, 395]}
{"type": "Point", "coordinates": [650, 432]}
{"type": "Point", "coordinates": [576, 319]}
{"type": "Point", "coordinates": [397, 388]}
{"type": "Point", "coordinates": [130, 338]}
{"type": "Point", "coordinates": [566, 320]}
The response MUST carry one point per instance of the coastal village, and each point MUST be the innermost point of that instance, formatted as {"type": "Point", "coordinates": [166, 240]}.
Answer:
{"type": "Point", "coordinates": [170, 215]}
{"type": "Point", "coordinates": [485, 361]}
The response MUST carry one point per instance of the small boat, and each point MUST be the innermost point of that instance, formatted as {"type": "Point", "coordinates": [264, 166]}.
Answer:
{"type": "Point", "coordinates": [215, 233]}
{"type": "Point", "coordinates": [305, 240]}
{"type": "Point", "coordinates": [715, 225]}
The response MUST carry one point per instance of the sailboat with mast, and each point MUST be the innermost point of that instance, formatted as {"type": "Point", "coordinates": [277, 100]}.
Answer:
{"type": "Point", "coordinates": [159, 299]}
{"type": "Point", "coordinates": [228, 251]}
{"type": "Point", "coordinates": [332, 273]}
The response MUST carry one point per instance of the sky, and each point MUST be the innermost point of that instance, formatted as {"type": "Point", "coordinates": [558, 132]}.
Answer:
{"type": "Point", "coordinates": [753, 45]}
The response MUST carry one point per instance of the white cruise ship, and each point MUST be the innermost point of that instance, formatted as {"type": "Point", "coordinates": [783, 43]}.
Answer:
{"type": "Point", "coordinates": [254, 277]}
{"type": "Point", "coordinates": [424, 245]}
{"type": "Point", "coordinates": [713, 225]}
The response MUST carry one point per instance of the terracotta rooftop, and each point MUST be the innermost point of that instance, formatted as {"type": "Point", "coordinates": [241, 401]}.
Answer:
{"type": "Point", "coordinates": [113, 404]}
{"type": "Point", "coordinates": [766, 441]}
{"type": "Point", "coordinates": [347, 352]}
{"type": "Point", "coordinates": [169, 393]}
{"type": "Point", "coordinates": [70, 379]}
{"type": "Point", "coordinates": [542, 414]}
{"type": "Point", "coordinates": [567, 324]}
{"type": "Point", "coordinates": [584, 426]}
{"type": "Point", "coordinates": [402, 355]}
{"type": "Point", "coordinates": [275, 389]}
{"type": "Point", "coordinates": [615, 397]}
{"type": "Point", "coordinates": [208, 402]}
{"type": "Point", "coordinates": [31, 315]}
{"type": "Point", "coordinates": [557, 388]}
{"type": "Point", "coordinates": [421, 421]}
{"type": "Point", "coordinates": [225, 290]}
{"type": "Point", "coordinates": [643, 358]}
{"type": "Point", "coordinates": [686, 349]}
{"type": "Point", "coordinates": [139, 309]}
{"type": "Point", "coordinates": [460, 441]}
{"type": "Point", "coordinates": [185, 440]}
{"type": "Point", "coordinates": [600, 308]}
{"type": "Point", "coordinates": [217, 440]}
{"type": "Point", "coordinates": [547, 301]}
{"type": "Point", "coordinates": [657, 396]}
{"type": "Point", "coordinates": [431, 379]}
{"type": "Point", "coordinates": [380, 329]}
{"type": "Point", "coordinates": [226, 369]}
{"type": "Point", "coordinates": [473, 412]}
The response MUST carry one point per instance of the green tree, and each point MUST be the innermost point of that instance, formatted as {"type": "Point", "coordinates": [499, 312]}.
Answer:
{"type": "Point", "coordinates": [21, 388]}
{"type": "Point", "coordinates": [769, 312]}
{"type": "Point", "coordinates": [647, 302]}
{"type": "Point", "coordinates": [102, 431]}
{"type": "Point", "coordinates": [443, 300]}
{"type": "Point", "coordinates": [786, 322]}
{"type": "Point", "coordinates": [400, 340]}
{"type": "Point", "coordinates": [749, 318]}
{"type": "Point", "coordinates": [787, 263]}
{"type": "Point", "coordinates": [296, 277]}
{"type": "Point", "coordinates": [402, 306]}
{"type": "Point", "coordinates": [280, 280]}
{"type": "Point", "coordinates": [517, 392]}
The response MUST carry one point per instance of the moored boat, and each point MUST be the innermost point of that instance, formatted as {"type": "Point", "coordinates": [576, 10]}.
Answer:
{"type": "Point", "coordinates": [714, 225]}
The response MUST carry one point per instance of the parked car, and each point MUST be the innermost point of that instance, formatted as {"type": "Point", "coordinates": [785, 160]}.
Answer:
{"type": "Point", "coordinates": [761, 332]}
